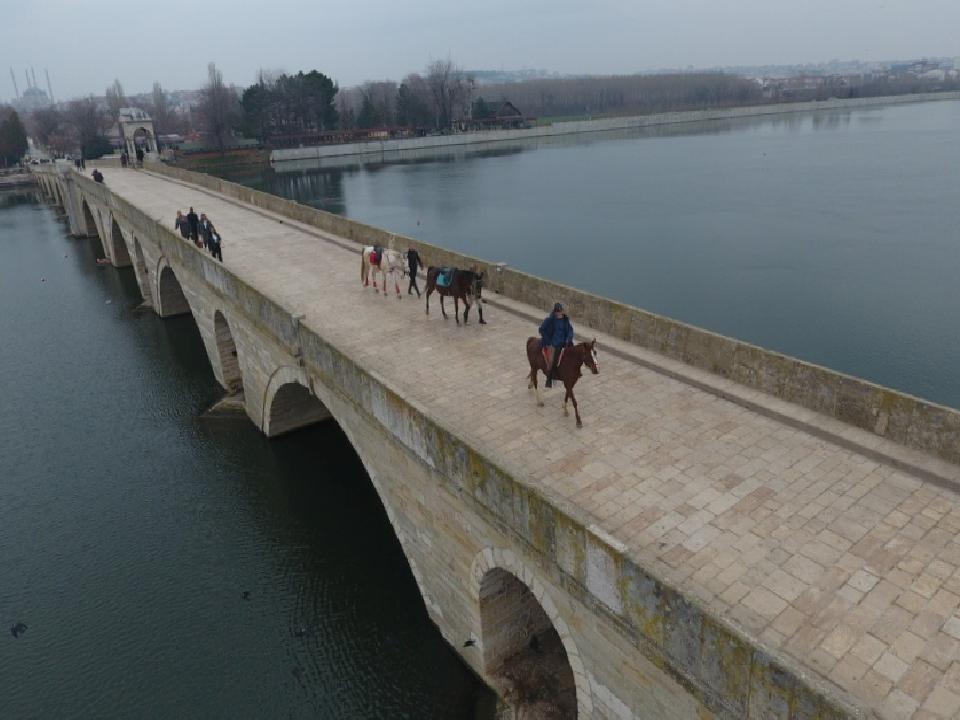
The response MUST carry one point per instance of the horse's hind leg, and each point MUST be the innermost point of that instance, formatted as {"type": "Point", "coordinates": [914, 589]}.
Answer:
{"type": "Point", "coordinates": [428, 292]}
{"type": "Point", "coordinates": [566, 412]}
{"type": "Point", "coordinates": [442, 308]}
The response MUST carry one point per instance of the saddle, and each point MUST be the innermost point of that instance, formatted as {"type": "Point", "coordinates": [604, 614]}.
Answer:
{"type": "Point", "coordinates": [376, 255]}
{"type": "Point", "coordinates": [445, 277]}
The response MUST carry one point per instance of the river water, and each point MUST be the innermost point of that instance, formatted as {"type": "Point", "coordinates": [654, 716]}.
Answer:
{"type": "Point", "coordinates": [131, 526]}
{"type": "Point", "coordinates": [830, 236]}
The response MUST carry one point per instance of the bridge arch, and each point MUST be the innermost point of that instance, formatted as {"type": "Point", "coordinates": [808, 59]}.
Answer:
{"type": "Point", "coordinates": [525, 644]}
{"type": "Point", "coordinates": [90, 223]}
{"type": "Point", "coordinates": [121, 256]}
{"type": "Point", "coordinates": [230, 372]}
{"type": "Point", "coordinates": [170, 297]}
{"type": "Point", "coordinates": [289, 404]}
{"type": "Point", "coordinates": [142, 272]}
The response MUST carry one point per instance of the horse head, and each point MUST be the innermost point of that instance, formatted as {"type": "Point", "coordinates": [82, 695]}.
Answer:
{"type": "Point", "coordinates": [590, 356]}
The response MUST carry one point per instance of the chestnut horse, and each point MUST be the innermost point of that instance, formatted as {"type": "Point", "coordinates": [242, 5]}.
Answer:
{"type": "Point", "coordinates": [574, 357]}
{"type": "Point", "coordinates": [390, 261]}
{"type": "Point", "coordinates": [467, 285]}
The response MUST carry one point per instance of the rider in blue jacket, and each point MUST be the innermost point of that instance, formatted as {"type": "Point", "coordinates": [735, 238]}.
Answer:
{"type": "Point", "coordinates": [556, 332]}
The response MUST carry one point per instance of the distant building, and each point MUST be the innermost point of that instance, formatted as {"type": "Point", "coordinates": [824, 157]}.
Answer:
{"type": "Point", "coordinates": [33, 98]}
{"type": "Point", "coordinates": [499, 115]}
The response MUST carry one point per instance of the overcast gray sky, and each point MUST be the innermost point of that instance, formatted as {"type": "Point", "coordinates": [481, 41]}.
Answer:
{"type": "Point", "coordinates": [86, 43]}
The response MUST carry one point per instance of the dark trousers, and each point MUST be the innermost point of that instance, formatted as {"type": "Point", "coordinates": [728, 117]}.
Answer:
{"type": "Point", "coordinates": [413, 284]}
{"type": "Point", "coordinates": [215, 251]}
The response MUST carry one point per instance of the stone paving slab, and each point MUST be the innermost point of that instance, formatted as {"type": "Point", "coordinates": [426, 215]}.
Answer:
{"type": "Point", "coordinates": [820, 541]}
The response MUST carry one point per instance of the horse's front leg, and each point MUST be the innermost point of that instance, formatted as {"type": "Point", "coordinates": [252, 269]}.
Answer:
{"type": "Point", "coordinates": [466, 312]}
{"type": "Point", "coordinates": [566, 398]}
{"type": "Point", "coordinates": [443, 310]}
{"type": "Point", "coordinates": [396, 283]}
{"type": "Point", "coordinates": [428, 293]}
{"type": "Point", "coordinates": [480, 311]}
{"type": "Point", "coordinates": [576, 410]}
{"type": "Point", "coordinates": [384, 283]}
{"type": "Point", "coordinates": [456, 308]}
{"type": "Point", "coordinates": [533, 384]}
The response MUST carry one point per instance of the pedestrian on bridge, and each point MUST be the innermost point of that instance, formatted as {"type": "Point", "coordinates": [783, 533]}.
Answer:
{"type": "Point", "coordinates": [205, 227]}
{"type": "Point", "coordinates": [194, 223]}
{"type": "Point", "coordinates": [413, 264]}
{"type": "Point", "coordinates": [182, 225]}
{"type": "Point", "coordinates": [215, 248]}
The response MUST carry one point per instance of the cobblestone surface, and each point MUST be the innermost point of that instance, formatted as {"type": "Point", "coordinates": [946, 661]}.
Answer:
{"type": "Point", "coordinates": [823, 542]}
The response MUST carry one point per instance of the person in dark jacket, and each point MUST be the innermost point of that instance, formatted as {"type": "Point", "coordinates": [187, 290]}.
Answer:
{"type": "Point", "coordinates": [194, 223]}
{"type": "Point", "coordinates": [556, 332]}
{"type": "Point", "coordinates": [205, 227]}
{"type": "Point", "coordinates": [213, 240]}
{"type": "Point", "coordinates": [182, 225]}
{"type": "Point", "coordinates": [413, 264]}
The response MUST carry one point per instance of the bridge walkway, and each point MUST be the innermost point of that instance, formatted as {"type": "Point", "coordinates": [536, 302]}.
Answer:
{"type": "Point", "coordinates": [820, 541]}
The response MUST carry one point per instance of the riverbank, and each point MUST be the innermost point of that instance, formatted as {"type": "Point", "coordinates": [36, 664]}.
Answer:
{"type": "Point", "coordinates": [17, 179]}
{"type": "Point", "coordinates": [587, 126]}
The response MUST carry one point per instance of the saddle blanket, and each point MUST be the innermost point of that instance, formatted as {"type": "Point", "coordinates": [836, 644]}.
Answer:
{"type": "Point", "coordinates": [445, 277]}
{"type": "Point", "coordinates": [546, 355]}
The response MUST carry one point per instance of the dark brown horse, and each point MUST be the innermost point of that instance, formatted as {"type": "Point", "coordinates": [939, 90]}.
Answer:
{"type": "Point", "coordinates": [568, 371]}
{"type": "Point", "coordinates": [467, 285]}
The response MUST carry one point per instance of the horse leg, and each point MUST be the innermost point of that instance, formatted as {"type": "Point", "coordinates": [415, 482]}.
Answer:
{"type": "Point", "coordinates": [480, 310]}
{"type": "Point", "coordinates": [442, 308]}
{"type": "Point", "coordinates": [566, 412]}
{"type": "Point", "coordinates": [384, 282]}
{"type": "Point", "coordinates": [428, 293]}
{"type": "Point", "coordinates": [576, 410]}
{"type": "Point", "coordinates": [396, 282]}
{"type": "Point", "coordinates": [466, 311]}
{"type": "Point", "coordinates": [533, 384]}
{"type": "Point", "coordinates": [456, 308]}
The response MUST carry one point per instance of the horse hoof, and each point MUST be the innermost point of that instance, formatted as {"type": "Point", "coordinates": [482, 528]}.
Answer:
{"type": "Point", "coordinates": [540, 403]}
{"type": "Point", "coordinates": [483, 322]}
{"type": "Point", "coordinates": [579, 424]}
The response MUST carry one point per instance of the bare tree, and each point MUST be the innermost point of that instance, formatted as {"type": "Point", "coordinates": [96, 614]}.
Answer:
{"type": "Point", "coordinates": [115, 99]}
{"type": "Point", "coordinates": [160, 110]}
{"type": "Point", "coordinates": [450, 90]}
{"type": "Point", "coordinates": [219, 106]}
{"type": "Point", "coordinates": [88, 123]}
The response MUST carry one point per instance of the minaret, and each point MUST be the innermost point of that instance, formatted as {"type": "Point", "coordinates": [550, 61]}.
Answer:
{"type": "Point", "coordinates": [26, 74]}
{"type": "Point", "coordinates": [49, 87]}
{"type": "Point", "coordinates": [34, 75]}
{"type": "Point", "coordinates": [13, 77]}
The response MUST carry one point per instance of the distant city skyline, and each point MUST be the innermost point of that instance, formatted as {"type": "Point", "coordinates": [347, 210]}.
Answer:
{"type": "Point", "coordinates": [100, 40]}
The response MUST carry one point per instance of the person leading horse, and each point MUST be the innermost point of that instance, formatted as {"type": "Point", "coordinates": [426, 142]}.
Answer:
{"type": "Point", "coordinates": [556, 333]}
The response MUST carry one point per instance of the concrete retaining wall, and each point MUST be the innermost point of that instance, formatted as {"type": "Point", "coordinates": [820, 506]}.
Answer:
{"type": "Point", "coordinates": [902, 418]}
{"type": "Point", "coordinates": [584, 126]}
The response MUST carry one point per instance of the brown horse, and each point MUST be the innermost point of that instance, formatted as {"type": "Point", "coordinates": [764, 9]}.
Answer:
{"type": "Point", "coordinates": [467, 285]}
{"type": "Point", "coordinates": [573, 358]}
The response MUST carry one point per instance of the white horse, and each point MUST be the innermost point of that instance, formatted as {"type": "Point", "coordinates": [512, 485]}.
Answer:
{"type": "Point", "coordinates": [391, 261]}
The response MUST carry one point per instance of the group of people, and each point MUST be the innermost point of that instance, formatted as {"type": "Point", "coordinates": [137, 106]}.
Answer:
{"type": "Point", "coordinates": [125, 157]}
{"type": "Point", "coordinates": [200, 231]}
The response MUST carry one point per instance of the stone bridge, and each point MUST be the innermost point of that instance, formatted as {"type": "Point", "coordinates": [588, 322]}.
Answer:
{"type": "Point", "coordinates": [733, 534]}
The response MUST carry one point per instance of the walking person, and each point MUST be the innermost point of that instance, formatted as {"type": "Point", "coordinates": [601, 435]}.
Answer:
{"type": "Point", "coordinates": [556, 333]}
{"type": "Point", "coordinates": [194, 223]}
{"type": "Point", "coordinates": [215, 241]}
{"type": "Point", "coordinates": [139, 156]}
{"type": "Point", "coordinates": [182, 225]}
{"type": "Point", "coordinates": [413, 263]}
{"type": "Point", "coordinates": [205, 227]}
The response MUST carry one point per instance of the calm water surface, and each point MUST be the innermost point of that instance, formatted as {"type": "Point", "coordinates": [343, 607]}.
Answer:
{"type": "Point", "coordinates": [834, 237]}
{"type": "Point", "coordinates": [130, 526]}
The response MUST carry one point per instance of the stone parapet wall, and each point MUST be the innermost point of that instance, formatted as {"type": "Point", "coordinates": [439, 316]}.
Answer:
{"type": "Point", "coordinates": [600, 125]}
{"type": "Point", "coordinates": [902, 418]}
